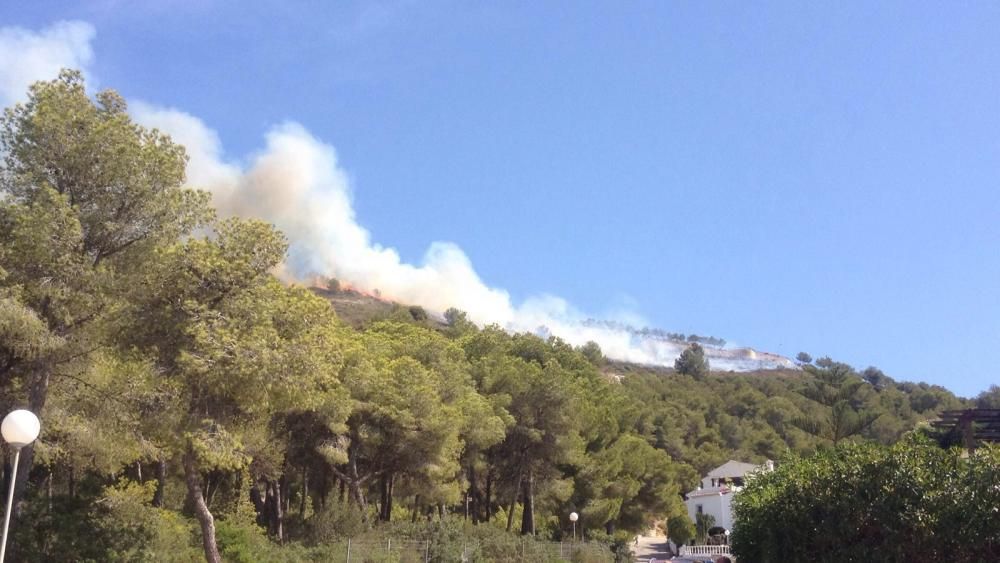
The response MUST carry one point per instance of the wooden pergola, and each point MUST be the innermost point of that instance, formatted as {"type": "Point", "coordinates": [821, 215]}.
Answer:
{"type": "Point", "coordinates": [974, 425]}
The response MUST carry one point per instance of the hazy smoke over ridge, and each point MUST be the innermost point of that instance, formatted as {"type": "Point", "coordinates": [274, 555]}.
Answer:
{"type": "Point", "coordinates": [296, 182]}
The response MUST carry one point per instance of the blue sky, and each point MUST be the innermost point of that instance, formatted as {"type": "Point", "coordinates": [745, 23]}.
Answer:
{"type": "Point", "coordinates": [790, 177]}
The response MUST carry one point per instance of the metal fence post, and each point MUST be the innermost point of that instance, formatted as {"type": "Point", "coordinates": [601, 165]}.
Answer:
{"type": "Point", "coordinates": [427, 551]}
{"type": "Point", "coordinates": [388, 547]}
{"type": "Point", "coordinates": [348, 550]}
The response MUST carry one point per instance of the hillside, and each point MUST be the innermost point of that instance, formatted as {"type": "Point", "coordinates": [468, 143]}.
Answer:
{"type": "Point", "coordinates": [358, 308]}
{"type": "Point", "coordinates": [742, 409]}
{"type": "Point", "coordinates": [625, 369]}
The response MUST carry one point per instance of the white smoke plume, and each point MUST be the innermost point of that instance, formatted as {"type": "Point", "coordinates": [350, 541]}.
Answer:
{"type": "Point", "coordinates": [297, 183]}
{"type": "Point", "coordinates": [27, 56]}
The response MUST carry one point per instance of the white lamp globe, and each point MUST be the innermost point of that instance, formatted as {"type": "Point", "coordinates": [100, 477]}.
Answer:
{"type": "Point", "coordinates": [20, 428]}
{"type": "Point", "coordinates": [573, 516]}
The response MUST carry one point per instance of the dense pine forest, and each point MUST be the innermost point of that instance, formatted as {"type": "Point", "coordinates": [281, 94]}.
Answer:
{"type": "Point", "coordinates": [194, 406]}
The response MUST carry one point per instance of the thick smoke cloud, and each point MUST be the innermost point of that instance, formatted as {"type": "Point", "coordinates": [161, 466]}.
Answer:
{"type": "Point", "coordinates": [27, 56]}
{"type": "Point", "coordinates": [296, 182]}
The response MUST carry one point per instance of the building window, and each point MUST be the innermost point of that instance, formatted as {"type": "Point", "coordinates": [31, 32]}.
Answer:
{"type": "Point", "coordinates": [698, 509]}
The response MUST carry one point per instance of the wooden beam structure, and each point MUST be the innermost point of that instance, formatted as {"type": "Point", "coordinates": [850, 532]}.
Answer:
{"type": "Point", "coordinates": [975, 425]}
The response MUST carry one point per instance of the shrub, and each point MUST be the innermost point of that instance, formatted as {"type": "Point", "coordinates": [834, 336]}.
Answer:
{"type": "Point", "coordinates": [862, 502]}
{"type": "Point", "coordinates": [335, 522]}
{"type": "Point", "coordinates": [418, 313]}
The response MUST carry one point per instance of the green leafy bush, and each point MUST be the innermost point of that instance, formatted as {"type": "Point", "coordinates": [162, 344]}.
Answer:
{"type": "Point", "coordinates": [137, 531]}
{"type": "Point", "coordinates": [863, 502]}
{"type": "Point", "coordinates": [335, 522]}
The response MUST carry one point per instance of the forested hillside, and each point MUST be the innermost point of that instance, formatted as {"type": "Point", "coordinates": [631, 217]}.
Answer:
{"type": "Point", "coordinates": [704, 417]}
{"type": "Point", "coordinates": [192, 404]}
{"type": "Point", "coordinates": [765, 415]}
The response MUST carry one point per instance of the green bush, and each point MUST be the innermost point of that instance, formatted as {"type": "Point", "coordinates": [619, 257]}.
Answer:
{"type": "Point", "coordinates": [118, 524]}
{"type": "Point", "coordinates": [242, 541]}
{"type": "Point", "coordinates": [680, 529]}
{"type": "Point", "coordinates": [137, 531]}
{"type": "Point", "coordinates": [619, 545]}
{"type": "Point", "coordinates": [336, 521]}
{"type": "Point", "coordinates": [68, 531]}
{"type": "Point", "coordinates": [862, 502]}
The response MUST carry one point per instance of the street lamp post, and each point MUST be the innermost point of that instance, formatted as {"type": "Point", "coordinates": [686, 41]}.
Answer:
{"type": "Point", "coordinates": [19, 428]}
{"type": "Point", "coordinates": [573, 517]}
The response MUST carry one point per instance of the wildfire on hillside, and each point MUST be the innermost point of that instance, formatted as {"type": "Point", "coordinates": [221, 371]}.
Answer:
{"type": "Point", "coordinates": [334, 285]}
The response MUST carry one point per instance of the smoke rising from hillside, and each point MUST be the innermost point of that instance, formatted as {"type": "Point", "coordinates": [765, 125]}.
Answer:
{"type": "Point", "coordinates": [296, 182]}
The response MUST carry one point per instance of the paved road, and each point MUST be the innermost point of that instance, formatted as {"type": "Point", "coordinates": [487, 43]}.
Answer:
{"type": "Point", "coordinates": [651, 546]}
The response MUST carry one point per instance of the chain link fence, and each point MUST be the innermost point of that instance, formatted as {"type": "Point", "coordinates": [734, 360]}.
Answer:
{"type": "Point", "coordinates": [523, 550]}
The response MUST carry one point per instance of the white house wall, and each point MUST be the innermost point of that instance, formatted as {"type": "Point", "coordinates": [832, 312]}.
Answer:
{"type": "Point", "coordinates": [718, 505]}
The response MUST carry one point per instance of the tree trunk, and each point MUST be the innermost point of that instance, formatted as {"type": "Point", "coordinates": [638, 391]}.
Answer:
{"type": "Point", "coordinates": [285, 490]}
{"type": "Point", "coordinates": [473, 497]}
{"type": "Point", "coordinates": [383, 491]}
{"type": "Point", "coordinates": [386, 488]}
{"type": "Point", "coordinates": [488, 501]}
{"type": "Point", "coordinates": [161, 482]}
{"type": "Point", "coordinates": [275, 510]}
{"type": "Point", "coordinates": [7, 468]}
{"type": "Point", "coordinates": [528, 514]}
{"type": "Point", "coordinates": [354, 483]}
{"type": "Point", "coordinates": [359, 498]}
{"type": "Point", "coordinates": [416, 508]}
{"type": "Point", "coordinates": [305, 493]}
{"type": "Point", "coordinates": [259, 504]}
{"type": "Point", "coordinates": [513, 500]}
{"type": "Point", "coordinates": [211, 485]}
{"type": "Point", "coordinates": [324, 487]}
{"type": "Point", "coordinates": [205, 518]}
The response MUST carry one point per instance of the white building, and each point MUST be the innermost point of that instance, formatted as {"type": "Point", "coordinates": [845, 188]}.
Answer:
{"type": "Point", "coordinates": [714, 495]}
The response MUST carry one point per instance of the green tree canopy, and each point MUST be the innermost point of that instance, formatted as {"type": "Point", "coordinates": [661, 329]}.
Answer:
{"type": "Point", "coordinates": [692, 362]}
{"type": "Point", "coordinates": [87, 198]}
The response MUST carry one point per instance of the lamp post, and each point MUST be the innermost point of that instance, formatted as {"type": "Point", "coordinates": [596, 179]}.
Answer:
{"type": "Point", "coordinates": [573, 517]}
{"type": "Point", "coordinates": [19, 428]}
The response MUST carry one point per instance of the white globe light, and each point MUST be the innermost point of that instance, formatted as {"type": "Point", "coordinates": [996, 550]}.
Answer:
{"type": "Point", "coordinates": [20, 428]}
{"type": "Point", "coordinates": [573, 516]}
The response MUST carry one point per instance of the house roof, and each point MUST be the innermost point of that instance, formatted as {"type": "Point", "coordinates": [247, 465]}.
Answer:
{"type": "Point", "coordinates": [732, 468]}
{"type": "Point", "coordinates": [709, 492]}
